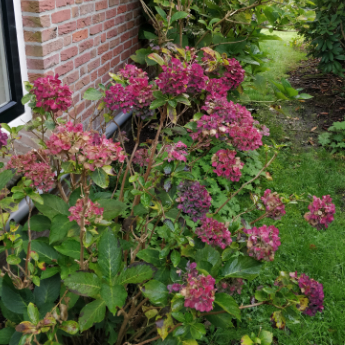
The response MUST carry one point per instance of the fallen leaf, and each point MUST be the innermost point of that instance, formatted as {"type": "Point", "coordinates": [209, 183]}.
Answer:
{"type": "Point", "coordinates": [268, 176]}
{"type": "Point", "coordinates": [313, 129]}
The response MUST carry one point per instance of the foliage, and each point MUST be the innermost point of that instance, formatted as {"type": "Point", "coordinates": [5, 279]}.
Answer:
{"type": "Point", "coordinates": [334, 137]}
{"type": "Point", "coordinates": [123, 264]}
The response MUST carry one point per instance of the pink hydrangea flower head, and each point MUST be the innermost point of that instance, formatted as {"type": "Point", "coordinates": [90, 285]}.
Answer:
{"type": "Point", "coordinates": [141, 157]}
{"type": "Point", "coordinates": [92, 212]}
{"type": "Point", "coordinates": [193, 199]}
{"type": "Point", "coordinates": [227, 165]}
{"type": "Point", "coordinates": [176, 152]}
{"type": "Point", "coordinates": [273, 204]}
{"type": "Point", "coordinates": [313, 290]}
{"type": "Point", "coordinates": [51, 95]}
{"type": "Point", "coordinates": [321, 212]}
{"type": "Point", "coordinates": [174, 78]}
{"type": "Point", "coordinates": [263, 242]}
{"type": "Point", "coordinates": [214, 233]}
{"type": "Point", "coordinates": [197, 79]}
{"type": "Point", "coordinates": [3, 138]}
{"type": "Point", "coordinates": [217, 88]}
{"type": "Point", "coordinates": [34, 165]}
{"type": "Point", "coordinates": [235, 286]}
{"type": "Point", "coordinates": [245, 138]}
{"type": "Point", "coordinates": [234, 73]}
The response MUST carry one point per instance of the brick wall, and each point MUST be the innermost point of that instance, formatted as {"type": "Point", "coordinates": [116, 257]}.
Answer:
{"type": "Point", "coordinates": [81, 40]}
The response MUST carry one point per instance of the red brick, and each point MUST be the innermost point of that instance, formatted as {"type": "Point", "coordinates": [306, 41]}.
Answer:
{"type": "Point", "coordinates": [67, 40]}
{"type": "Point", "coordinates": [125, 55]}
{"type": "Point", "coordinates": [67, 28]}
{"type": "Point", "coordinates": [121, 9]}
{"type": "Point", "coordinates": [94, 76]}
{"type": "Point", "coordinates": [127, 44]}
{"type": "Point", "coordinates": [119, 19]}
{"type": "Point", "coordinates": [113, 2]}
{"type": "Point", "coordinates": [86, 9]}
{"type": "Point", "coordinates": [112, 33]}
{"type": "Point", "coordinates": [130, 24]}
{"type": "Point", "coordinates": [93, 53]}
{"type": "Point", "coordinates": [106, 57]}
{"type": "Point", "coordinates": [40, 36]}
{"type": "Point", "coordinates": [79, 1]}
{"type": "Point", "coordinates": [76, 98]}
{"type": "Point", "coordinates": [69, 53]}
{"type": "Point", "coordinates": [119, 49]}
{"type": "Point", "coordinates": [43, 63]}
{"type": "Point", "coordinates": [80, 35]}
{"type": "Point", "coordinates": [115, 42]}
{"type": "Point", "coordinates": [108, 24]}
{"type": "Point", "coordinates": [97, 40]}
{"type": "Point", "coordinates": [83, 22]}
{"type": "Point", "coordinates": [61, 16]}
{"type": "Point", "coordinates": [115, 61]}
{"type": "Point", "coordinates": [85, 45]}
{"type": "Point", "coordinates": [103, 37]}
{"type": "Point", "coordinates": [121, 28]}
{"type": "Point", "coordinates": [83, 70]}
{"type": "Point", "coordinates": [71, 78]}
{"type": "Point", "coordinates": [128, 16]}
{"type": "Point", "coordinates": [79, 108]}
{"type": "Point", "coordinates": [93, 65]}
{"type": "Point", "coordinates": [125, 36]}
{"type": "Point", "coordinates": [36, 22]}
{"type": "Point", "coordinates": [111, 13]}
{"type": "Point", "coordinates": [88, 113]}
{"type": "Point", "coordinates": [65, 68]}
{"type": "Point", "coordinates": [95, 29]}
{"type": "Point", "coordinates": [82, 82]}
{"type": "Point", "coordinates": [44, 49]}
{"type": "Point", "coordinates": [103, 48]}
{"type": "Point", "coordinates": [60, 3]}
{"type": "Point", "coordinates": [80, 60]}
{"type": "Point", "coordinates": [104, 69]}
{"type": "Point", "coordinates": [101, 5]}
{"type": "Point", "coordinates": [75, 11]}
{"type": "Point", "coordinates": [38, 6]}
{"type": "Point", "coordinates": [105, 78]}
{"type": "Point", "coordinates": [98, 18]}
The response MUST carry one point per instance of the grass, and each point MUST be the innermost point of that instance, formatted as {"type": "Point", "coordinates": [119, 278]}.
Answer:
{"type": "Point", "coordinates": [319, 254]}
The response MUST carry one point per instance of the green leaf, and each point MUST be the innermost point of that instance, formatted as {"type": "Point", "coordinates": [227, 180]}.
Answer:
{"type": "Point", "coordinates": [48, 291]}
{"type": "Point", "coordinates": [220, 320]}
{"type": "Point", "coordinates": [52, 206]}
{"type": "Point", "coordinates": [242, 267]}
{"type": "Point", "coordinates": [150, 35]}
{"type": "Point", "coordinates": [112, 208]}
{"type": "Point", "coordinates": [15, 300]}
{"type": "Point", "coordinates": [5, 335]}
{"type": "Point", "coordinates": [38, 223]}
{"type": "Point", "coordinates": [136, 273]}
{"type": "Point", "coordinates": [266, 337]}
{"type": "Point", "coordinates": [33, 313]}
{"type": "Point", "coordinates": [92, 313]}
{"type": "Point", "coordinates": [161, 13]}
{"type": "Point", "coordinates": [178, 15]}
{"type": "Point", "coordinates": [13, 260]}
{"type": "Point", "coordinates": [100, 177]}
{"type": "Point", "coordinates": [45, 252]}
{"type": "Point", "coordinates": [5, 177]}
{"type": "Point", "coordinates": [185, 175]}
{"type": "Point", "coordinates": [156, 292]}
{"type": "Point", "coordinates": [49, 272]}
{"type": "Point", "coordinates": [245, 340]}
{"type": "Point", "coordinates": [84, 284]}
{"type": "Point", "coordinates": [92, 94]}
{"type": "Point", "coordinates": [70, 327]}
{"type": "Point", "coordinates": [110, 255]}
{"type": "Point", "coordinates": [157, 103]}
{"type": "Point", "coordinates": [227, 303]}
{"type": "Point", "coordinates": [172, 114]}
{"type": "Point", "coordinates": [155, 57]}
{"type": "Point", "coordinates": [304, 96]}
{"type": "Point", "coordinates": [70, 248]}
{"type": "Point", "coordinates": [9, 315]}
{"type": "Point", "coordinates": [150, 255]}
{"type": "Point", "coordinates": [175, 258]}
{"type": "Point", "coordinates": [197, 330]}
{"type": "Point", "coordinates": [60, 227]}
{"type": "Point", "coordinates": [114, 296]}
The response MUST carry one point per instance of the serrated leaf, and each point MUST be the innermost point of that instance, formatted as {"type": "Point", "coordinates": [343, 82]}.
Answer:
{"type": "Point", "coordinates": [136, 273]}
{"type": "Point", "coordinates": [112, 208]}
{"type": "Point", "coordinates": [242, 267]}
{"type": "Point", "coordinates": [149, 255]}
{"type": "Point", "coordinates": [70, 327]}
{"type": "Point", "coordinates": [114, 296]}
{"type": "Point", "coordinates": [178, 15]}
{"type": "Point", "coordinates": [5, 177]}
{"type": "Point", "coordinates": [155, 57]}
{"type": "Point", "coordinates": [227, 303]}
{"type": "Point", "coordinates": [52, 206]}
{"type": "Point", "coordinates": [92, 94]}
{"type": "Point", "coordinates": [38, 223]}
{"type": "Point", "coordinates": [100, 178]}
{"type": "Point", "coordinates": [84, 284]}
{"type": "Point", "coordinates": [92, 313]}
{"type": "Point", "coordinates": [60, 226]}
{"type": "Point", "coordinates": [48, 291]}
{"type": "Point", "coordinates": [156, 292]}
{"type": "Point", "coordinates": [5, 335]}
{"type": "Point", "coordinates": [70, 248]}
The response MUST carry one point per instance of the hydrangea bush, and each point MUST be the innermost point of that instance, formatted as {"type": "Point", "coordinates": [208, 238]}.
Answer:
{"type": "Point", "coordinates": [141, 245]}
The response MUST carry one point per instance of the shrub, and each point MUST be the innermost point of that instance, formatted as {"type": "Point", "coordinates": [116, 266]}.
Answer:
{"type": "Point", "coordinates": [161, 252]}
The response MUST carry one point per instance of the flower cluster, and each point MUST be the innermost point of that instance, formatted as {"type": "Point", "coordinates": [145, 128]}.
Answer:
{"type": "Point", "coordinates": [89, 148]}
{"type": "Point", "coordinates": [274, 206]}
{"type": "Point", "coordinates": [217, 88]}
{"type": "Point", "coordinates": [91, 211]}
{"type": "Point", "coordinates": [174, 78]}
{"type": "Point", "coordinates": [321, 212]}
{"type": "Point", "coordinates": [263, 242]}
{"type": "Point", "coordinates": [197, 79]}
{"type": "Point", "coordinates": [34, 166]}
{"type": "Point", "coordinates": [193, 199]}
{"type": "Point", "coordinates": [141, 157]}
{"type": "Point", "coordinates": [214, 233]}
{"type": "Point", "coordinates": [227, 165]}
{"type": "Point", "coordinates": [3, 138]}
{"type": "Point", "coordinates": [51, 95]}
{"type": "Point", "coordinates": [198, 290]}
{"type": "Point", "coordinates": [176, 152]}
{"type": "Point", "coordinates": [313, 290]}
{"type": "Point", "coordinates": [235, 286]}
{"type": "Point", "coordinates": [234, 73]}
{"type": "Point", "coordinates": [135, 93]}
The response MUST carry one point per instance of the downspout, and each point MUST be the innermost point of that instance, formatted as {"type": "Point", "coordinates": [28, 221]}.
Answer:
{"type": "Point", "coordinates": [23, 208]}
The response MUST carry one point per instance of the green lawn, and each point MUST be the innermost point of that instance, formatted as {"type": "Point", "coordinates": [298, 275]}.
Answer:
{"type": "Point", "coordinates": [319, 254]}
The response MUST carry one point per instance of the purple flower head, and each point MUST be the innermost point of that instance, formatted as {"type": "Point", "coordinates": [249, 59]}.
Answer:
{"type": "Point", "coordinates": [234, 73]}
{"type": "Point", "coordinates": [274, 206]}
{"type": "Point", "coordinates": [3, 138]}
{"type": "Point", "coordinates": [321, 212]}
{"type": "Point", "coordinates": [227, 165]}
{"type": "Point", "coordinates": [176, 152]}
{"type": "Point", "coordinates": [263, 242]}
{"type": "Point", "coordinates": [214, 233]}
{"type": "Point", "coordinates": [197, 79]}
{"type": "Point", "coordinates": [193, 199]}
